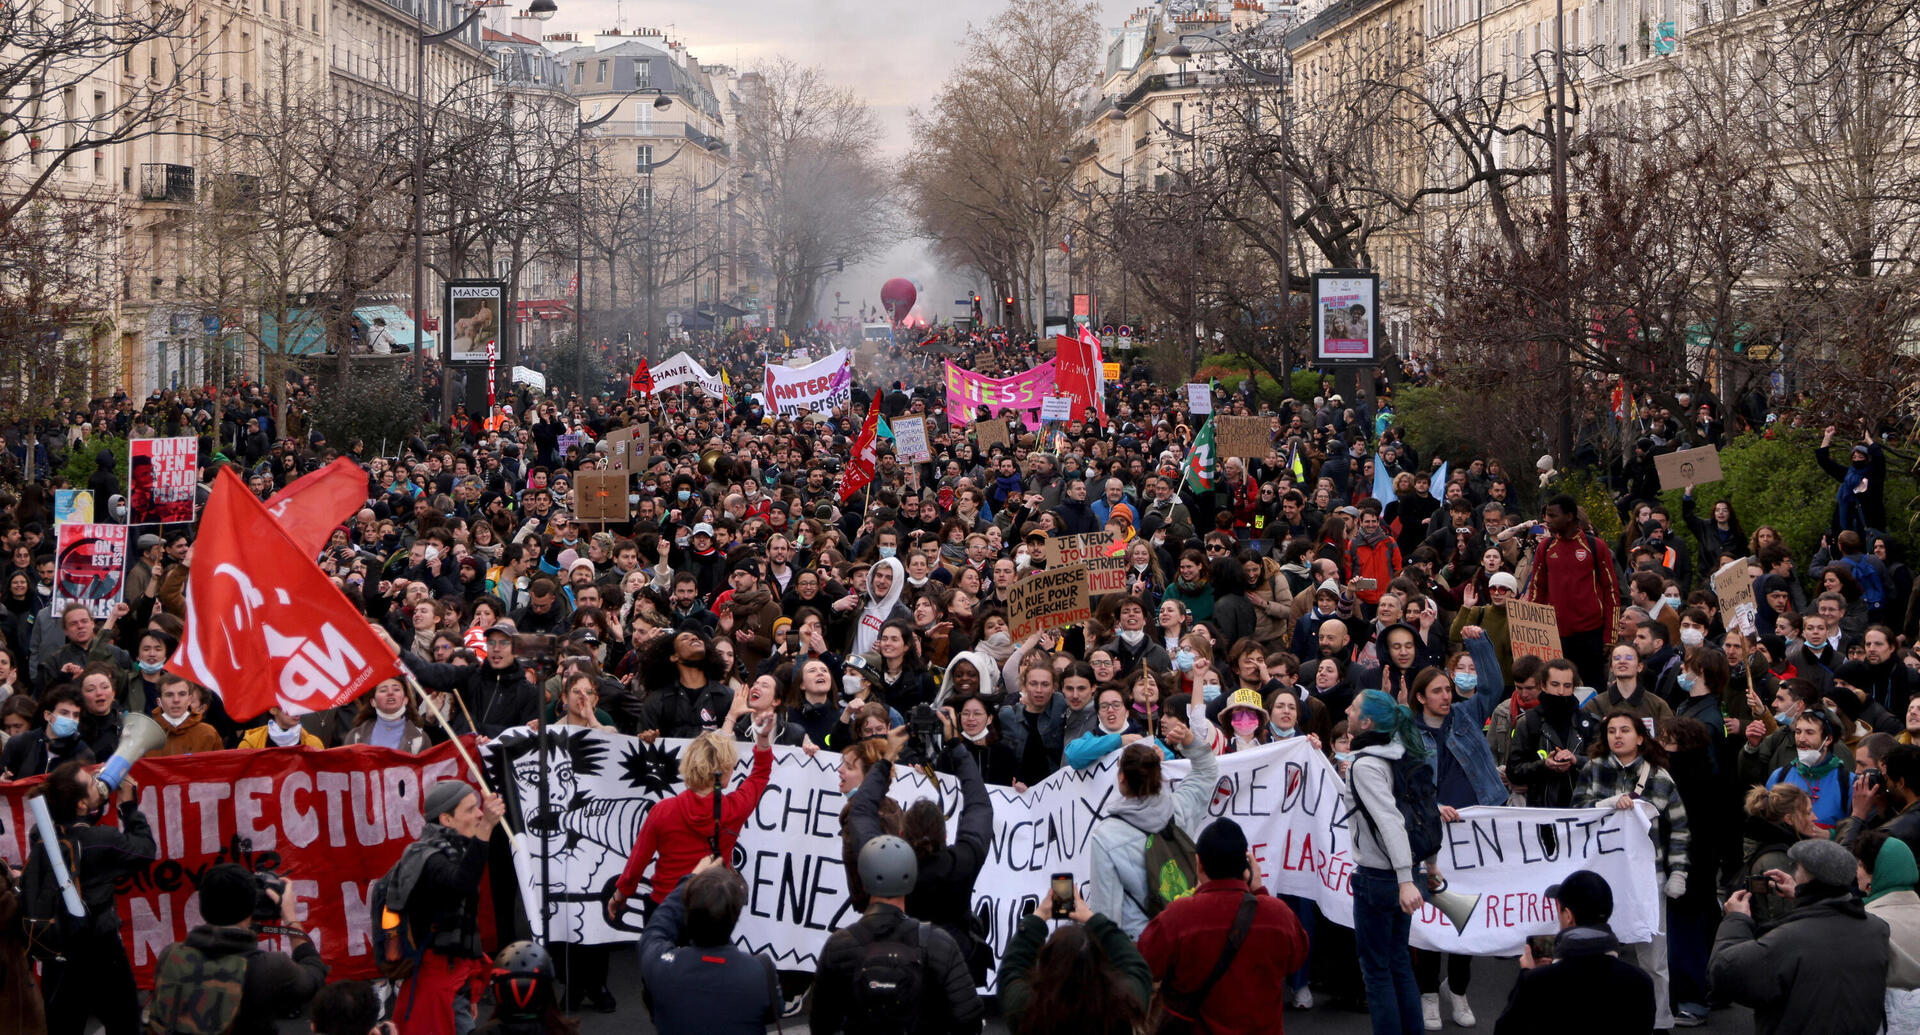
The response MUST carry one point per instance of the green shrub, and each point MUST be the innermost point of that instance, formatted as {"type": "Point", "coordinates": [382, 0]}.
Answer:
{"type": "Point", "coordinates": [1306, 384]}
{"type": "Point", "coordinates": [80, 463]}
{"type": "Point", "coordinates": [1776, 481]}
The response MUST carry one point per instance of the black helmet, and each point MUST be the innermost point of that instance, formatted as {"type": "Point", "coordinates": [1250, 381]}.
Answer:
{"type": "Point", "coordinates": [522, 982]}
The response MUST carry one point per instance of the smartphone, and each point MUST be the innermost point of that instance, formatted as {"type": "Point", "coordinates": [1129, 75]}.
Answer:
{"type": "Point", "coordinates": [1062, 895]}
{"type": "Point", "coordinates": [1366, 583]}
{"type": "Point", "coordinates": [1759, 884]}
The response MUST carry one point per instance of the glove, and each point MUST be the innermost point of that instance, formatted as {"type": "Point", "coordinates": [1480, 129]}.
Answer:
{"type": "Point", "coordinates": [1676, 884]}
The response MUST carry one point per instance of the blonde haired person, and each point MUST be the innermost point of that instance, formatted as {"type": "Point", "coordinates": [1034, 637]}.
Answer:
{"type": "Point", "coordinates": [681, 830]}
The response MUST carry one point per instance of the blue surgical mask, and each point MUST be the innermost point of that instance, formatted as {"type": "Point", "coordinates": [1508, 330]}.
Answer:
{"type": "Point", "coordinates": [1280, 734]}
{"type": "Point", "coordinates": [1672, 602]}
{"type": "Point", "coordinates": [1686, 681]}
{"type": "Point", "coordinates": [1210, 692]}
{"type": "Point", "coordinates": [886, 552]}
{"type": "Point", "coordinates": [1782, 718]}
{"type": "Point", "coordinates": [1466, 681]}
{"type": "Point", "coordinates": [1183, 661]}
{"type": "Point", "coordinates": [1343, 756]}
{"type": "Point", "coordinates": [684, 495]}
{"type": "Point", "coordinates": [63, 726]}
{"type": "Point", "coordinates": [152, 667]}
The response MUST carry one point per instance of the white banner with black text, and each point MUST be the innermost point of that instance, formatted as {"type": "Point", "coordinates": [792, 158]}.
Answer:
{"type": "Point", "coordinates": [1286, 796]}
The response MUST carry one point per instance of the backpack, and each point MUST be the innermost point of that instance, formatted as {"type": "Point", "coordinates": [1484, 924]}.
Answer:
{"type": "Point", "coordinates": [194, 994]}
{"type": "Point", "coordinates": [888, 981]}
{"type": "Point", "coordinates": [1173, 868]}
{"type": "Point", "coordinates": [1418, 796]}
{"type": "Point", "coordinates": [51, 930]}
{"type": "Point", "coordinates": [395, 953]}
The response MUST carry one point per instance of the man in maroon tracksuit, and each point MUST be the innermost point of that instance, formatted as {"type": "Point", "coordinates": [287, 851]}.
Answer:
{"type": "Point", "coordinates": [1183, 943]}
{"type": "Point", "coordinates": [1573, 571]}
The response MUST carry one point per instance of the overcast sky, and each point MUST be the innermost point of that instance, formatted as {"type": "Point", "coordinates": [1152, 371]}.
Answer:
{"type": "Point", "coordinates": [895, 53]}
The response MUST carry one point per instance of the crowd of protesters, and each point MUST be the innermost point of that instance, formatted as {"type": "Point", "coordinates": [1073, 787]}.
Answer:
{"type": "Point", "coordinates": [744, 600]}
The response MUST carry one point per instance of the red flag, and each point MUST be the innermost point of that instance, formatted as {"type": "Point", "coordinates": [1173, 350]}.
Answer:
{"type": "Point", "coordinates": [313, 506]}
{"type": "Point", "coordinates": [264, 625]}
{"type": "Point", "coordinates": [1097, 363]}
{"type": "Point", "coordinates": [642, 379]}
{"type": "Point", "coordinates": [866, 454]}
{"type": "Point", "coordinates": [1077, 374]}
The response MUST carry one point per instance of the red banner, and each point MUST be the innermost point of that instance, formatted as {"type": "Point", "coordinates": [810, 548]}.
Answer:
{"type": "Point", "coordinates": [642, 380]}
{"type": "Point", "coordinates": [1077, 374]}
{"type": "Point", "coordinates": [330, 822]}
{"type": "Point", "coordinates": [162, 474]}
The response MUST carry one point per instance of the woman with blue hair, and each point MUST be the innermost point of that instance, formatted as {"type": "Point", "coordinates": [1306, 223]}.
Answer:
{"type": "Point", "coordinates": [1385, 896]}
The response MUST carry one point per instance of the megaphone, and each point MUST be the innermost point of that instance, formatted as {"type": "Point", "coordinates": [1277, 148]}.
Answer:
{"type": "Point", "coordinates": [138, 735]}
{"type": "Point", "coordinates": [1456, 907]}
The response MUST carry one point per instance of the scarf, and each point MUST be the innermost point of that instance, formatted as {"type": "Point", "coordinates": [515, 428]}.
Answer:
{"type": "Point", "coordinates": [954, 552]}
{"type": "Point", "coordinates": [1814, 773]}
{"type": "Point", "coordinates": [1363, 537]}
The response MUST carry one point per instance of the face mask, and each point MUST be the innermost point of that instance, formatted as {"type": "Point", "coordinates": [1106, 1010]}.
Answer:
{"type": "Point", "coordinates": [886, 552]}
{"type": "Point", "coordinates": [1023, 559]}
{"type": "Point", "coordinates": [1808, 756]}
{"type": "Point", "coordinates": [1860, 465]}
{"type": "Point", "coordinates": [1244, 724]}
{"type": "Point", "coordinates": [1280, 734]}
{"type": "Point", "coordinates": [684, 495]}
{"type": "Point", "coordinates": [63, 726]}
{"type": "Point", "coordinates": [1210, 692]}
{"type": "Point", "coordinates": [1140, 567]}
{"type": "Point", "coordinates": [283, 738]}
{"type": "Point", "coordinates": [171, 721]}
{"type": "Point", "coordinates": [1672, 602]}
{"type": "Point", "coordinates": [392, 716]}
{"type": "Point", "coordinates": [1466, 680]}
{"type": "Point", "coordinates": [1343, 756]}
{"type": "Point", "coordinates": [152, 667]}
{"type": "Point", "coordinates": [1686, 681]}
{"type": "Point", "coordinates": [1132, 637]}
{"type": "Point", "coordinates": [1782, 718]}
{"type": "Point", "coordinates": [1692, 637]}
{"type": "Point", "coordinates": [1183, 661]}
{"type": "Point", "coordinates": [976, 738]}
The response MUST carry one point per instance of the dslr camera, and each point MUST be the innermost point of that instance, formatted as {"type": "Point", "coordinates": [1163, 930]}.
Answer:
{"type": "Point", "coordinates": [268, 888]}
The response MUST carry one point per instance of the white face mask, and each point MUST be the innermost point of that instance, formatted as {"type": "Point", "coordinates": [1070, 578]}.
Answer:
{"type": "Point", "coordinates": [393, 716]}
{"type": "Point", "coordinates": [1133, 636]}
{"type": "Point", "coordinates": [976, 738]}
{"type": "Point", "coordinates": [1808, 756]}
{"type": "Point", "coordinates": [171, 721]}
{"type": "Point", "coordinates": [1692, 637]}
{"type": "Point", "coordinates": [283, 738]}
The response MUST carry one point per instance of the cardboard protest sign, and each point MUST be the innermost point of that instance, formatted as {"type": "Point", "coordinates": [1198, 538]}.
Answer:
{"type": "Point", "coordinates": [1242, 436]}
{"type": "Point", "coordinates": [618, 441]}
{"type": "Point", "coordinates": [1733, 584]}
{"type": "Point", "coordinates": [910, 439]}
{"type": "Point", "coordinates": [1056, 407]}
{"type": "Point", "coordinates": [990, 433]}
{"type": "Point", "coordinates": [1050, 599]}
{"type": "Point", "coordinates": [1688, 467]}
{"type": "Point", "coordinates": [1532, 630]}
{"type": "Point", "coordinates": [1104, 574]}
{"type": "Point", "coordinates": [90, 567]}
{"type": "Point", "coordinates": [1199, 397]}
{"type": "Point", "coordinates": [600, 496]}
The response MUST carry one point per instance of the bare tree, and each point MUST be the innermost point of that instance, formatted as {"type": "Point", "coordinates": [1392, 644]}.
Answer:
{"type": "Point", "coordinates": [817, 199]}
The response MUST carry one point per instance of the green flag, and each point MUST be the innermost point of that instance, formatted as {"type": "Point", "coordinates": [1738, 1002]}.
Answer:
{"type": "Point", "coordinates": [1197, 470]}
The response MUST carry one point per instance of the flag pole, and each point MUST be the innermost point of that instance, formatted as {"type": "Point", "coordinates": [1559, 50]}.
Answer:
{"type": "Point", "coordinates": [479, 775]}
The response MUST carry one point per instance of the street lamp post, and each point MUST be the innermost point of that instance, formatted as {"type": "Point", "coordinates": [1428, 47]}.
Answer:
{"type": "Point", "coordinates": [580, 128]}
{"type": "Point", "coordinates": [541, 9]}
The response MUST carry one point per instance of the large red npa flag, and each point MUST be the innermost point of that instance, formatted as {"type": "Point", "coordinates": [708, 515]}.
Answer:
{"type": "Point", "coordinates": [866, 454]}
{"type": "Point", "coordinates": [313, 506]}
{"type": "Point", "coordinates": [265, 626]}
{"type": "Point", "coordinates": [642, 380]}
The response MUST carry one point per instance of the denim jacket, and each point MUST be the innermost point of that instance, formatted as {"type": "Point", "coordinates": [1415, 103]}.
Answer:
{"type": "Point", "coordinates": [1464, 730]}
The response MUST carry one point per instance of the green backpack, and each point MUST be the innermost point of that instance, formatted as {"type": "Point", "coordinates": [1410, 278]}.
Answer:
{"type": "Point", "coordinates": [196, 995]}
{"type": "Point", "coordinates": [1173, 868]}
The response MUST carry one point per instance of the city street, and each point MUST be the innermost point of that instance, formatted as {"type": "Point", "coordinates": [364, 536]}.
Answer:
{"type": "Point", "coordinates": [1492, 979]}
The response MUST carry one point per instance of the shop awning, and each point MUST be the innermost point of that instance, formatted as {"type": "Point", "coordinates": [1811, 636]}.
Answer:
{"type": "Point", "coordinates": [399, 324]}
{"type": "Point", "coordinates": [543, 309]}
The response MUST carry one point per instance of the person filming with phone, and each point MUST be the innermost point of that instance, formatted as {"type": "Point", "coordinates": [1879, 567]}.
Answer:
{"type": "Point", "coordinates": [219, 978]}
{"type": "Point", "coordinates": [1566, 967]}
{"type": "Point", "coordinates": [1087, 976]}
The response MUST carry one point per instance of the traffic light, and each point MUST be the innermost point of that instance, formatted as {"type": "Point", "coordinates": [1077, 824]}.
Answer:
{"type": "Point", "coordinates": [840, 265]}
{"type": "Point", "coordinates": [1009, 299]}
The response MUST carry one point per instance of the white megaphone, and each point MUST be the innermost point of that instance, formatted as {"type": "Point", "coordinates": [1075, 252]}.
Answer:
{"type": "Point", "coordinates": [1456, 907]}
{"type": "Point", "coordinates": [138, 735]}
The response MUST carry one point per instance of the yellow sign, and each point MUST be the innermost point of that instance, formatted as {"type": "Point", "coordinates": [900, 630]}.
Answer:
{"type": "Point", "coordinates": [1111, 371]}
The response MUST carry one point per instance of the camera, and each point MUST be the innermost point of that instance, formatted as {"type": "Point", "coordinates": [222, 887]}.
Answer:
{"type": "Point", "coordinates": [268, 887]}
{"type": "Point", "coordinates": [1876, 780]}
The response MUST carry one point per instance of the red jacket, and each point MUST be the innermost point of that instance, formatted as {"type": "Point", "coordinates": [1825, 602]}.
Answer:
{"type": "Point", "coordinates": [678, 831]}
{"type": "Point", "coordinates": [1183, 942]}
{"type": "Point", "coordinates": [1379, 562]}
{"type": "Point", "coordinates": [1575, 576]}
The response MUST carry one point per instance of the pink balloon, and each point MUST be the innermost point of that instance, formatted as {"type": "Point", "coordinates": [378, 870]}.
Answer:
{"type": "Point", "coordinates": [897, 296]}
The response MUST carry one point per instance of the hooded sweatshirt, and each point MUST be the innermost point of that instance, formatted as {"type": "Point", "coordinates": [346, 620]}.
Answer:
{"type": "Point", "coordinates": [981, 663]}
{"type": "Point", "coordinates": [1119, 888]}
{"type": "Point", "coordinates": [680, 830]}
{"type": "Point", "coordinates": [878, 612]}
{"type": "Point", "coordinates": [1893, 900]}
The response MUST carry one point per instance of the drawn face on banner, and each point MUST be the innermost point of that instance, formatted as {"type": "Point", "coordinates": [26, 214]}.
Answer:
{"type": "Point", "coordinates": [90, 571]}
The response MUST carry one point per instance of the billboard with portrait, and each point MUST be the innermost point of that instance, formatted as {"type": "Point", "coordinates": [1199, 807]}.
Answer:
{"type": "Point", "coordinates": [473, 319]}
{"type": "Point", "coordinates": [1346, 316]}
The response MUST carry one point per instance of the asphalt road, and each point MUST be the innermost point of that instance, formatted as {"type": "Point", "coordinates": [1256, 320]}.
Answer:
{"type": "Point", "coordinates": [1492, 980]}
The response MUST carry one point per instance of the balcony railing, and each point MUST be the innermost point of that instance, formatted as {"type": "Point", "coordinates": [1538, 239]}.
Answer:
{"type": "Point", "coordinates": [163, 182]}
